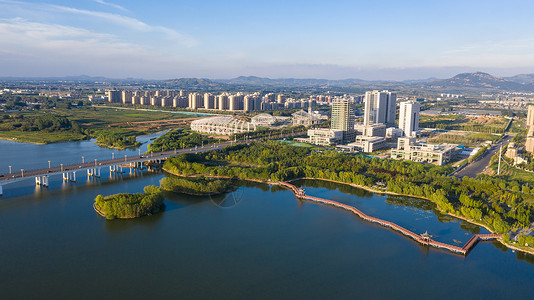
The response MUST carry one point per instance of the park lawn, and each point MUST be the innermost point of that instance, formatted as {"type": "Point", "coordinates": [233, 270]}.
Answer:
{"type": "Point", "coordinates": [498, 123]}
{"type": "Point", "coordinates": [433, 121]}
{"type": "Point", "coordinates": [470, 139]}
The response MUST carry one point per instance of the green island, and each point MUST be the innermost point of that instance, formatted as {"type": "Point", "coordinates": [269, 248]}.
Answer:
{"type": "Point", "coordinates": [179, 139]}
{"type": "Point", "coordinates": [498, 204]}
{"type": "Point", "coordinates": [128, 206]}
{"type": "Point", "coordinates": [199, 186]}
{"type": "Point", "coordinates": [118, 139]}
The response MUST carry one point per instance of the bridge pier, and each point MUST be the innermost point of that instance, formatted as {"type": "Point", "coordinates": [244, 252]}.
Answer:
{"type": "Point", "coordinates": [116, 169]}
{"type": "Point", "coordinates": [95, 172]}
{"type": "Point", "coordinates": [41, 180]}
{"type": "Point", "coordinates": [69, 176]}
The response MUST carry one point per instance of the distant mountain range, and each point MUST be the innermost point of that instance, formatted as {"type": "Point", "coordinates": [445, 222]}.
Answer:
{"type": "Point", "coordinates": [483, 81]}
{"type": "Point", "coordinates": [464, 82]}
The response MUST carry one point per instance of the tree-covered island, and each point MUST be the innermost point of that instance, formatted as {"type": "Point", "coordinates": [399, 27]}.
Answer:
{"type": "Point", "coordinates": [198, 186]}
{"type": "Point", "coordinates": [128, 206]}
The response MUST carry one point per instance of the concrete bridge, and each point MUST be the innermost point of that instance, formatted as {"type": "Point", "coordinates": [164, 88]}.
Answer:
{"type": "Point", "coordinates": [93, 168]}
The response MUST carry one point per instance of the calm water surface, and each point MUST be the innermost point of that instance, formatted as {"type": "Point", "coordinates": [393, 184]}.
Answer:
{"type": "Point", "coordinates": [257, 242]}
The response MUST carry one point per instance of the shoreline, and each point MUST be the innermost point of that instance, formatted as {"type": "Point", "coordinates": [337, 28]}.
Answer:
{"type": "Point", "coordinates": [372, 191]}
{"type": "Point", "coordinates": [26, 142]}
{"type": "Point", "coordinates": [210, 176]}
{"type": "Point", "coordinates": [424, 198]}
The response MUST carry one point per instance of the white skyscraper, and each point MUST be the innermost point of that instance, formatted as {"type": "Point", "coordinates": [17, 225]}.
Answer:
{"type": "Point", "coordinates": [409, 118]}
{"type": "Point", "coordinates": [380, 108]}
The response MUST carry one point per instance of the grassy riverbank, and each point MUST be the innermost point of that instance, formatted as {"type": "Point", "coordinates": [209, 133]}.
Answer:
{"type": "Point", "coordinates": [86, 122]}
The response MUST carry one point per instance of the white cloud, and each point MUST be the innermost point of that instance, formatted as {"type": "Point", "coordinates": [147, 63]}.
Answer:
{"type": "Point", "coordinates": [111, 5]}
{"type": "Point", "coordinates": [131, 23]}
{"type": "Point", "coordinates": [40, 49]}
{"type": "Point", "coordinates": [33, 39]}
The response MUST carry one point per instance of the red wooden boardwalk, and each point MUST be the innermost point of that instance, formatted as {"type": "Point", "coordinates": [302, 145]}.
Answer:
{"type": "Point", "coordinates": [425, 240]}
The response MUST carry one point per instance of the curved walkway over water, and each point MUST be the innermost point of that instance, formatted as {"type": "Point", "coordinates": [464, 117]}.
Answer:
{"type": "Point", "coordinates": [422, 239]}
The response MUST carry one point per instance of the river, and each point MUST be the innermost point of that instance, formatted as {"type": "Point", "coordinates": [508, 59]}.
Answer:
{"type": "Point", "coordinates": [258, 242]}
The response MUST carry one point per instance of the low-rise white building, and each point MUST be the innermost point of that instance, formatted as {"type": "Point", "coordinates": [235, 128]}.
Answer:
{"type": "Point", "coordinates": [371, 130]}
{"type": "Point", "coordinates": [394, 133]}
{"type": "Point", "coordinates": [369, 143]}
{"type": "Point", "coordinates": [224, 125]}
{"type": "Point", "coordinates": [409, 149]}
{"type": "Point", "coordinates": [323, 137]}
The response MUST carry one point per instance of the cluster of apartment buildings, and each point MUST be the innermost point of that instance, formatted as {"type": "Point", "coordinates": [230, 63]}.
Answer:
{"type": "Point", "coordinates": [208, 101]}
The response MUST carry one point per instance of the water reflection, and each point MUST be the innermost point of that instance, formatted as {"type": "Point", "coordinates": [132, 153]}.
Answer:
{"type": "Point", "coordinates": [119, 225]}
{"type": "Point", "coordinates": [525, 257]}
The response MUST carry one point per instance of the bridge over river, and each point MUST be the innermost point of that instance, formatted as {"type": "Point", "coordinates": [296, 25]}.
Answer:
{"type": "Point", "coordinates": [93, 168]}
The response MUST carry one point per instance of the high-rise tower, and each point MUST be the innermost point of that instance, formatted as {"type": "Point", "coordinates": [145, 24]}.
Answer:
{"type": "Point", "coordinates": [409, 118]}
{"type": "Point", "coordinates": [343, 118]}
{"type": "Point", "coordinates": [380, 108]}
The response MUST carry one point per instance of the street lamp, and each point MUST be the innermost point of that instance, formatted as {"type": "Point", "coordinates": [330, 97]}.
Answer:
{"type": "Point", "coordinates": [61, 167]}
{"type": "Point", "coordinates": [125, 157]}
{"type": "Point", "coordinates": [112, 155]}
{"type": "Point", "coordinates": [95, 162]}
{"type": "Point", "coordinates": [139, 151]}
{"type": "Point", "coordinates": [83, 160]}
{"type": "Point", "coordinates": [9, 169]}
{"type": "Point", "coordinates": [49, 164]}
{"type": "Point", "coordinates": [22, 172]}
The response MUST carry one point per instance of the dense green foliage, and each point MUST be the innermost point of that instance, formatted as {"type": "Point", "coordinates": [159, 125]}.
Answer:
{"type": "Point", "coordinates": [117, 139]}
{"type": "Point", "coordinates": [497, 203]}
{"type": "Point", "coordinates": [45, 123]}
{"type": "Point", "coordinates": [195, 186]}
{"type": "Point", "coordinates": [179, 139]}
{"type": "Point", "coordinates": [124, 206]}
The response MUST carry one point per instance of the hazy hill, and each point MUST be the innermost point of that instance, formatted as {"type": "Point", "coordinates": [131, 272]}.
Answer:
{"type": "Point", "coordinates": [478, 81]}
{"type": "Point", "coordinates": [522, 78]}
{"type": "Point", "coordinates": [293, 82]}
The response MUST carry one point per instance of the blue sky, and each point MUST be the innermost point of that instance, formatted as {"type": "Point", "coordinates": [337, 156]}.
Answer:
{"type": "Point", "coordinates": [159, 39]}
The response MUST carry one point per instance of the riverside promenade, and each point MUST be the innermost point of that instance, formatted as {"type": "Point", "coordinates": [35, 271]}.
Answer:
{"type": "Point", "coordinates": [423, 239]}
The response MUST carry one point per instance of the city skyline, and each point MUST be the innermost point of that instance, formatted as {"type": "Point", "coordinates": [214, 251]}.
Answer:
{"type": "Point", "coordinates": [302, 39]}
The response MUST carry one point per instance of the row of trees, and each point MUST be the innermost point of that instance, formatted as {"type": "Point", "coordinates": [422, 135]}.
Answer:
{"type": "Point", "coordinates": [124, 206]}
{"type": "Point", "coordinates": [497, 203]}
